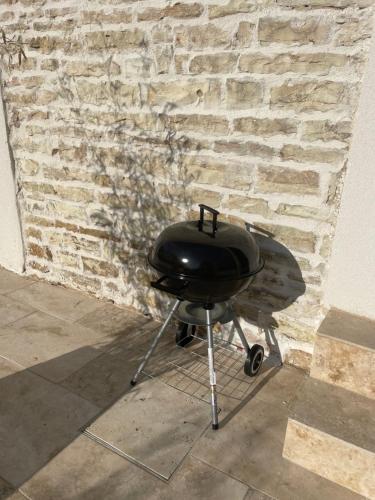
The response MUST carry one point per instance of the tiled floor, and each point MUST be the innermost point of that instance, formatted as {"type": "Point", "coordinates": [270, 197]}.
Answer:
{"type": "Point", "coordinates": [71, 427]}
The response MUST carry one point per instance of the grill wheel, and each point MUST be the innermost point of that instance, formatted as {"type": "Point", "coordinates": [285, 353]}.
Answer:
{"type": "Point", "coordinates": [254, 360]}
{"type": "Point", "coordinates": [184, 334]}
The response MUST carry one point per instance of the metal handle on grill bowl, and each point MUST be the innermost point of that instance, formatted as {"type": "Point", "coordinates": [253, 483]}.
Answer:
{"type": "Point", "coordinates": [174, 290]}
{"type": "Point", "coordinates": [214, 213]}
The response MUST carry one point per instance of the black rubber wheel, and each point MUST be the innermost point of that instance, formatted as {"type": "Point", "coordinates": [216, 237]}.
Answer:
{"type": "Point", "coordinates": [254, 360]}
{"type": "Point", "coordinates": [184, 334]}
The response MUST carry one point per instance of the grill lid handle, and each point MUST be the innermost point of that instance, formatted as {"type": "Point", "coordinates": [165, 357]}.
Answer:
{"type": "Point", "coordinates": [176, 287]}
{"type": "Point", "coordinates": [214, 213]}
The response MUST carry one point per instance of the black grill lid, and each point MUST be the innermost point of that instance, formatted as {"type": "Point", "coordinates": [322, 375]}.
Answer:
{"type": "Point", "coordinates": [206, 250]}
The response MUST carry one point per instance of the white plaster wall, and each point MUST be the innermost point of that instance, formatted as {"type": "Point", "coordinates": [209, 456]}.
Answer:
{"type": "Point", "coordinates": [351, 282]}
{"type": "Point", "coordinates": [11, 246]}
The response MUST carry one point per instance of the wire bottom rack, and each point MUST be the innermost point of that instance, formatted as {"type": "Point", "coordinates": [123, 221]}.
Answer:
{"type": "Point", "coordinates": [186, 369]}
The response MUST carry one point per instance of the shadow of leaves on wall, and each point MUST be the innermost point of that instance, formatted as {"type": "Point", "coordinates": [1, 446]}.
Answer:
{"type": "Point", "coordinates": [138, 158]}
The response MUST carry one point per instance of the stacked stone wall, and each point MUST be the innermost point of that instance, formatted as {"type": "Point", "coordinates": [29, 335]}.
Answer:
{"type": "Point", "coordinates": [127, 114]}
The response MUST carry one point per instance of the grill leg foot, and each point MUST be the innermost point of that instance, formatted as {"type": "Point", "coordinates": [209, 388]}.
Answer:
{"type": "Point", "coordinates": [155, 342]}
{"type": "Point", "coordinates": [211, 365]}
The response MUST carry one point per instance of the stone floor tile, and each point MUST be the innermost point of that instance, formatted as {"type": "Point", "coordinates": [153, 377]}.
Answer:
{"type": "Point", "coordinates": [162, 425]}
{"type": "Point", "coordinates": [257, 495]}
{"type": "Point", "coordinates": [350, 328]}
{"type": "Point", "coordinates": [106, 378]}
{"type": "Point", "coordinates": [16, 495]}
{"type": "Point", "coordinates": [125, 327]}
{"type": "Point", "coordinates": [113, 320]}
{"type": "Point", "coordinates": [344, 364]}
{"type": "Point", "coordinates": [195, 480]}
{"type": "Point", "coordinates": [49, 346]}
{"type": "Point", "coordinates": [37, 420]}
{"type": "Point", "coordinates": [61, 302]}
{"type": "Point", "coordinates": [5, 489]}
{"type": "Point", "coordinates": [296, 482]}
{"type": "Point", "coordinates": [281, 385]}
{"type": "Point", "coordinates": [331, 433]}
{"type": "Point", "coordinates": [7, 492]}
{"type": "Point", "coordinates": [337, 412]}
{"type": "Point", "coordinates": [9, 281]}
{"type": "Point", "coordinates": [85, 470]}
{"type": "Point", "coordinates": [249, 446]}
{"type": "Point", "coordinates": [8, 367]}
{"type": "Point", "coordinates": [11, 310]}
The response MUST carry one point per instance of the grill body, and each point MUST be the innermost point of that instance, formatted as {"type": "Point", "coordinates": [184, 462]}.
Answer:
{"type": "Point", "coordinates": [205, 261]}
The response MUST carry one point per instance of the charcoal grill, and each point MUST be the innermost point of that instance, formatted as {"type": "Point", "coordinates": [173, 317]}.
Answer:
{"type": "Point", "coordinates": [204, 264]}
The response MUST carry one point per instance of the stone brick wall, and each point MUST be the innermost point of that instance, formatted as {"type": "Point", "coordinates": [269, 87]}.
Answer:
{"type": "Point", "coordinates": [127, 114]}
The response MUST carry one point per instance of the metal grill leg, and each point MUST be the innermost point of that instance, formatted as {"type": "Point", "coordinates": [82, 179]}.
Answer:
{"type": "Point", "coordinates": [155, 341]}
{"type": "Point", "coordinates": [241, 333]}
{"type": "Point", "coordinates": [215, 421]}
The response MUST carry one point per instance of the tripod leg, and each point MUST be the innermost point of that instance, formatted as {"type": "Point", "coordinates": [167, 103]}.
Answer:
{"type": "Point", "coordinates": [155, 341]}
{"type": "Point", "coordinates": [215, 421]}
{"type": "Point", "coordinates": [241, 333]}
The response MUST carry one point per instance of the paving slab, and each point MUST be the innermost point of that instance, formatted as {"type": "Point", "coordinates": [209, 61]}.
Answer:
{"type": "Point", "coordinates": [49, 346]}
{"type": "Point", "coordinates": [195, 480]}
{"type": "Point", "coordinates": [257, 495]}
{"type": "Point", "coordinates": [331, 432]}
{"type": "Point", "coordinates": [5, 489]}
{"type": "Point", "coordinates": [9, 281]}
{"type": "Point", "coordinates": [282, 385]}
{"type": "Point", "coordinates": [11, 310]}
{"type": "Point", "coordinates": [335, 411]}
{"type": "Point", "coordinates": [88, 471]}
{"type": "Point", "coordinates": [125, 326]}
{"type": "Point", "coordinates": [297, 483]}
{"type": "Point", "coordinates": [37, 420]}
{"type": "Point", "coordinates": [115, 321]}
{"type": "Point", "coordinates": [85, 470]}
{"type": "Point", "coordinates": [347, 327]}
{"type": "Point", "coordinates": [9, 493]}
{"type": "Point", "coordinates": [12, 495]}
{"type": "Point", "coordinates": [154, 425]}
{"type": "Point", "coordinates": [57, 301]}
{"type": "Point", "coordinates": [344, 352]}
{"type": "Point", "coordinates": [106, 378]}
{"type": "Point", "coordinates": [249, 448]}
{"type": "Point", "coordinates": [344, 364]}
